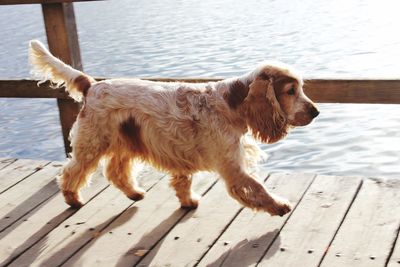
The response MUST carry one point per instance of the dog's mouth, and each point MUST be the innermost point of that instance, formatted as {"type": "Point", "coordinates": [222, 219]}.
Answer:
{"type": "Point", "coordinates": [304, 118]}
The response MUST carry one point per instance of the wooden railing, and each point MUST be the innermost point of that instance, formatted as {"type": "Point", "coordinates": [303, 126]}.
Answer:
{"type": "Point", "coordinates": [319, 90]}
{"type": "Point", "coordinates": [63, 42]}
{"type": "Point", "coordinates": [62, 38]}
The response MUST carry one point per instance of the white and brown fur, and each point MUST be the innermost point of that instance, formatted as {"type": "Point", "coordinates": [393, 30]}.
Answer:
{"type": "Point", "coordinates": [181, 128]}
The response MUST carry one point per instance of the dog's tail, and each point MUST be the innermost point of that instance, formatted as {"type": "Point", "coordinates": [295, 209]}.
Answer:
{"type": "Point", "coordinates": [45, 66]}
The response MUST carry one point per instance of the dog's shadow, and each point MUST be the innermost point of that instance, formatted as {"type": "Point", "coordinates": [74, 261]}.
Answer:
{"type": "Point", "coordinates": [245, 253]}
{"type": "Point", "coordinates": [151, 242]}
{"type": "Point", "coordinates": [86, 240]}
{"type": "Point", "coordinates": [249, 252]}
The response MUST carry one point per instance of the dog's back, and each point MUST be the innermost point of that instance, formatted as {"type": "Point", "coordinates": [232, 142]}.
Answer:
{"type": "Point", "coordinates": [169, 124]}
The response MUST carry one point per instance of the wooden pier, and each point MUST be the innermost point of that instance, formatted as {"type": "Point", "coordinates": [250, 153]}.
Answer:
{"type": "Point", "coordinates": [336, 221]}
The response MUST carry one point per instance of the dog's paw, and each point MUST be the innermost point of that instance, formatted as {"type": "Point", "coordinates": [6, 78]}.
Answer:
{"type": "Point", "coordinates": [191, 203]}
{"type": "Point", "coordinates": [280, 206]}
{"type": "Point", "coordinates": [137, 195]}
{"type": "Point", "coordinates": [73, 199]}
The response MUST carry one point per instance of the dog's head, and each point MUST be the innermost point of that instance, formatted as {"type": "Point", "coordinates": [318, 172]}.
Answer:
{"type": "Point", "coordinates": [272, 100]}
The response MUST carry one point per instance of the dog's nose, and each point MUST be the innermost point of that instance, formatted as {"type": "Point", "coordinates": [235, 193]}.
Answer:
{"type": "Point", "coordinates": [314, 112]}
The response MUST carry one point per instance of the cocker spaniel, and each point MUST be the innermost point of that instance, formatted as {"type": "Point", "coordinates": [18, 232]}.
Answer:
{"type": "Point", "coordinates": [181, 128]}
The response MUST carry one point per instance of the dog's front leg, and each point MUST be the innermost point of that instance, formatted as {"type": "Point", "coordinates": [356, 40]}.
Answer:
{"type": "Point", "coordinates": [251, 193]}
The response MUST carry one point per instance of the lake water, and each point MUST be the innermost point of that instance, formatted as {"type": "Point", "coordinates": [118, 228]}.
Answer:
{"type": "Point", "coordinates": [225, 38]}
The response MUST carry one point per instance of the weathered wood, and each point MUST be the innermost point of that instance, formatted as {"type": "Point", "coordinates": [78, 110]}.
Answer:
{"type": "Point", "coordinates": [76, 231]}
{"type": "Point", "coordinates": [187, 242]}
{"type": "Point", "coordinates": [69, 110]}
{"type": "Point", "coordinates": [370, 228]}
{"type": "Point", "coordinates": [359, 223]}
{"type": "Point", "coordinates": [30, 89]}
{"type": "Point", "coordinates": [22, 2]}
{"type": "Point", "coordinates": [33, 227]}
{"type": "Point", "coordinates": [4, 162]}
{"type": "Point", "coordinates": [26, 195]}
{"type": "Point", "coordinates": [175, 79]}
{"type": "Point", "coordinates": [319, 90]}
{"type": "Point", "coordinates": [250, 234]}
{"type": "Point", "coordinates": [313, 224]}
{"type": "Point", "coordinates": [353, 91]}
{"type": "Point", "coordinates": [17, 171]}
{"type": "Point", "coordinates": [62, 37]}
{"type": "Point", "coordinates": [154, 217]}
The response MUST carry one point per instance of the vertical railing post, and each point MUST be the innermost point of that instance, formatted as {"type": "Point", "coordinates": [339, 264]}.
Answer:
{"type": "Point", "coordinates": [62, 37]}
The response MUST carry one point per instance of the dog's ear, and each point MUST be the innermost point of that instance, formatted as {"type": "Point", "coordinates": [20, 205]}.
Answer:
{"type": "Point", "coordinates": [237, 92]}
{"type": "Point", "coordinates": [263, 113]}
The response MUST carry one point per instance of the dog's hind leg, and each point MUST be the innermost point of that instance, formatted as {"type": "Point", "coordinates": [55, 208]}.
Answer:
{"type": "Point", "coordinates": [118, 172]}
{"type": "Point", "coordinates": [87, 150]}
{"type": "Point", "coordinates": [182, 185]}
{"type": "Point", "coordinates": [75, 176]}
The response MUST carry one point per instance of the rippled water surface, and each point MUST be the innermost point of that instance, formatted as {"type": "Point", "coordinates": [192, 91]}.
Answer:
{"type": "Point", "coordinates": [225, 38]}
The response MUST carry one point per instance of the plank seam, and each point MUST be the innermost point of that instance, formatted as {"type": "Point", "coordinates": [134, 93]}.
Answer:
{"type": "Point", "coordinates": [173, 226]}
{"type": "Point", "coordinates": [218, 237]}
{"type": "Point", "coordinates": [287, 219]}
{"type": "Point", "coordinates": [341, 222]}
{"type": "Point", "coordinates": [111, 221]}
{"type": "Point", "coordinates": [25, 177]}
{"type": "Point", "coordinates": [393, 247]}
{"type": "Point", "coordinates": [55, 226]}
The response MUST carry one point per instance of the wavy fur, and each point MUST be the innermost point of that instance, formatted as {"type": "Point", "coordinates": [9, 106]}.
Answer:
{"type": "Point", "coordinates": [181, 128]}
{"type": "Point", "coordinates": [45, 66]}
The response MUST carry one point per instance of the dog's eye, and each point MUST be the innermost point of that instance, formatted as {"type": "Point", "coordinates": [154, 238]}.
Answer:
{"type": "Point", "coordinates": [291, 91]}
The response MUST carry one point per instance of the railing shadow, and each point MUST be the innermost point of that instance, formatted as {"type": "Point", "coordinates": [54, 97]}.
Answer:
{"type": "Point", "coordinates": [85, 240]}
{"type": "Point", "coordinates": [40, 235]}
{"type": "Point", "coordinates": [13, 218]}
{"type": "Point", "coordinates": [241, 254]}
{"type": "Point", "coordinates": [149, 243]}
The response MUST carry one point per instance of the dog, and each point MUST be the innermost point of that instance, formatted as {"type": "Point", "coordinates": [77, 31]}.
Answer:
{"type": "Point", "coordinates": [180, 128]}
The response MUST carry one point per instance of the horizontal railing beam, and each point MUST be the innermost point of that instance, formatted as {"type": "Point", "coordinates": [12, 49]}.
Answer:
{"type": "Point", "coordinates": [353, 91]}
{"type": "Point", "coordinates": [22, 2]}
{"type": "Point", "coordinates": [320, 90]}
{"type": "Point", "coordinates": [29, 89]}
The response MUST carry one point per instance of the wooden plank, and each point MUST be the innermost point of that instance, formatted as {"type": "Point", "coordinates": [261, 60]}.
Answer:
{"type": "Point", "coordinates": [68, 112]}
{"type": "Point", "coordinates": [17, 171]}
{"type": "Point", "coordinates": [26, 195]}
{"type": "Point", "coordinates": [177, 79]}
{"type": "Point", "coordinates": [62, 37]}
{"type": "Point", "coordinates": [22, 2]}
{"type": "Point", "coordinates": [79, 229]}
{"type": "Point", "coordinates": [25, 88]}
{"type": "Point", "coordinates": [353, 91]}
{"type": "Point", "coordinates": [154, 217]}
{"type": "Point", "coordinates": [250, 234]}
{"type": "Point", "coordinates": [30, 89]}
{"type": "Point", "coordinates": [188, 241]}
{"type": "Point", "coordinates": [4, 162]}
{"type": "Point", "coordinates": [319, 90]}
{"type": "Point", "coordinates": [306, 236]}
{"type": "Point", "coordinates": [32, 228]}
{"type": "Point", "coordinates": [370, 228]}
